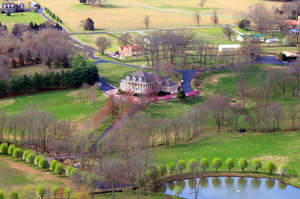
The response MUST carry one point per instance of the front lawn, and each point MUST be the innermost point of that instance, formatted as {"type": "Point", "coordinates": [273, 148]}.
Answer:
{"type": "Point", "coordinates": [22, 18]}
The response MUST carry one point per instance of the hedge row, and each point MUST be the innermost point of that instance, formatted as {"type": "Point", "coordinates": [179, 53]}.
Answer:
{"type": "Point", "coordinates": [39, 82]}
{"type": "Point", "coordinates": [53, 16]}
{"type": "Point", "coordinates": [39, 161]}
{"type": "Point", "coordinates": [193, 165]}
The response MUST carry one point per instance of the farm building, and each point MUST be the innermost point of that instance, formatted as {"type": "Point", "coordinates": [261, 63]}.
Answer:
{"type": "Point", "coordinates": [229, 47]}
{"type": "Point", "coordinates": [259, 37]}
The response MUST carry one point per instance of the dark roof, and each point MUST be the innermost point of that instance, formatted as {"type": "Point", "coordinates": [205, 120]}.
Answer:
{"type": "Point", "coordinates": [168, 83]}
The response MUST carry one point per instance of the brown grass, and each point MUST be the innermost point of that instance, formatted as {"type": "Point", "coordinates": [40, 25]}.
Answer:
{"type": "Point", "coordinates": [129, 14]}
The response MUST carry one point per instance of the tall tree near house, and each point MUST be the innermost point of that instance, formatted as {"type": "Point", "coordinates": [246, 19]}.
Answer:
{"type": "Point", "coordinates": [147, 21]}
{"type": "Point", "coordinates": [197, 18]}
{"type": "Point", "coordinates": [228, 32]}
{"type": "Point", "coordinates": [103, 43]}
{"type": "Point", "coordinates": [215, 18]}
{"type": "Point", "coordinates": [125, 39]}
{"type": "Point", "coordinates": [251, 49]}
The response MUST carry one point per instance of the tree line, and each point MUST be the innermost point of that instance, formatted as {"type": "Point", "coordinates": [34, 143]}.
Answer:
{"type": "Point", "coordinates": [40, 82]}
{"type": "Point", "coordinates": [25, 47]}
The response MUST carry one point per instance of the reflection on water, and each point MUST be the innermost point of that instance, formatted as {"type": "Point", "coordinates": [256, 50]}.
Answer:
{"type": "Point", "coordinates": [232, 187]}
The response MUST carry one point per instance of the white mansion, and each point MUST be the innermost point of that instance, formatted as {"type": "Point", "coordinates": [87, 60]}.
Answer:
{"type": "Point", "coordinates": [147, 83]}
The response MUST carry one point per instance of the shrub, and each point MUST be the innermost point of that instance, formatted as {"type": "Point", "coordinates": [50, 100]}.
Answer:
{"type": "Point", "coordinates": [282, 56]}
{"type": "Point", "coordinates": [270, 166]}
{"type": "Point", "coordinates": [54, 191]}
{"type": "Point", "coordinates": [244, 24]}
{"type": "Point", "coordinates": [243, 163]}
{"type": "Point", "coordinates": [4, 148]}
{"type": "Point", "coordinates": [52, 165]}
{"type": "Point", "coordinates": [152, 173]}
{"type": "Point", "coordinates": [70, 170]}
{"type": "Point", "coordinates": [217, 163]}
{"type": "Point", "coordinates": [162, 170]}
{"type": "Point", "coordinates": [25, 154]}
{"type": "Point", "coordinates": [43, 163]}
{"type": "Point", "coordinates": [171, 167]}
{"type": "Point", "coordinates": [37, 159]}
{"type": "Point", "coordinates": [204, 164]}
{"type": "Point", "coordinates": [41, 192]}
{"type": "Point", "coordinates": [229, 163]}
{"type": "Point", "coordinates": [59, 169]}
{"type": "Point", "coordinates": [193, 165]}
{"type": "Point", "coordinates": [181, 95]}
{"type": "Point", "coordinates": [256, 164]}
{"type": "Point", "coordinates": [2, 195]}
{"type": "Point", "coordinates": [283, 170]}
{"type": "Point", "coordinates": [17, 153]}
{"type": "Point", "coordinates": [7, 12]}
{"type": "Point", "coordinates": [181, 165]}
{"type": "Point", "coordinates": [30, 158]}
{"type": "Point", "coordinates": [13, 195]}
{"type": "Point", "coordinates": [10, 149]}
{"type": "Point", "coordinates": [68, 192]}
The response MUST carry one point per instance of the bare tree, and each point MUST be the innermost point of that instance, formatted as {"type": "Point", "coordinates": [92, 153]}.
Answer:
{"type": "Point", "coordinates": [202, 3]}
{"type": "Point", "coordinates": [251, 50]}
{"type": "Point", "coordinates": [147, 21]}
{"type": "Point", "coordinates": [215, 18]}
{"type": "Point", "coordinates": [277, 113]}
{"type": "Point", "coordinates": [228, 32]}
{"type": "Point", "coordinates": [125, 39]}
{"type": "Point", "coordinates": [197, 18]}
{"type": "Point", "coordinates": [218, 106]}
{"type": "Point", "coordinates": [103, 43]}
{"type": "Point", "coordinates": [237, 111]}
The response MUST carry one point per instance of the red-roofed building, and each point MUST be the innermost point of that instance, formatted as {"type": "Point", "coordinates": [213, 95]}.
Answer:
{"type": "Point", "coordinates": [131, 50]}
{"type": "Point", "coordinates": [292, 23]}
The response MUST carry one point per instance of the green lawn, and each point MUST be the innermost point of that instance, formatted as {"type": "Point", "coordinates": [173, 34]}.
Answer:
{"type": "Point", "coordinates": [23, 18]}
{"type": "Point", "coordinates": [172, 108]}
{"type": "Point", "coordinates": [31, 70]}
{"type": "Point", "coordinates": [113, 73]}
{"type": "Point", "coordinates": [63, 104]}
{"type": "Point", "coordinates": [281, 148]}
{"type": "Point", "coordinates": [214, 35]}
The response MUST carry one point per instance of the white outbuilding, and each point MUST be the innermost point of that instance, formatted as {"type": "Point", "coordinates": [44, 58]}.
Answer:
{"type": "Point", "coordinates": [229, 47]}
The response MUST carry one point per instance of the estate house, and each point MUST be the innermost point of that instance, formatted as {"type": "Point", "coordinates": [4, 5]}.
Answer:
{"type": "Point", "coordinates": [15, 5]}
{"type": "Point", "coordinates": [147, 83]}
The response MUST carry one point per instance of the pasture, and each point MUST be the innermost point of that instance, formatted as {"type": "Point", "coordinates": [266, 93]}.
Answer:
{"type": "Point", "coordinates": [22, 18]}
{"type": "Point", "coordinates": [129, 15]}
{"type": "Point", "coordinates": [280, 148]}
{"type": "Point", "coordinates": [64, 104]}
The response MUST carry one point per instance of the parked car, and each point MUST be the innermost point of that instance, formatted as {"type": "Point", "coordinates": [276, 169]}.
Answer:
{"type": "Point", "coordinates": [272, 40]}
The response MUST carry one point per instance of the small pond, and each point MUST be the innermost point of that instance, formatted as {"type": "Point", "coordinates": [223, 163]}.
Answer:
{"type": "Point", "coordinates": [231, 188]}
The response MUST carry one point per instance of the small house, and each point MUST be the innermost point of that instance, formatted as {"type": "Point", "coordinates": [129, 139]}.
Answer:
{"type": "Point", "coordinates": [131, 50]}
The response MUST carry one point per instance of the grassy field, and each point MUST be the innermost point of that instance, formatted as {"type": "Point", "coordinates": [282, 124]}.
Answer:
{"type": "Point", "coordinates": [23, 18]}
{"type": "Point", "coordinates": [163, 14]}
{"type": "Point", "coordinates": [16, 175]}
{"type": "Point", "coordinates": [31, 70]}
{"type": "Point", "coordinates": [63, 104]}
{"type": "Point", "coordinates": [281, 148]}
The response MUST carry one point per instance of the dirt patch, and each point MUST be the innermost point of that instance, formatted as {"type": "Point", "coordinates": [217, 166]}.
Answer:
{"type": "Point", "coordinates": [39, 176]}
{"type": "Point", "coordinates": [278, 160]}
{"type": "Point", "coordinates": [6, 102]}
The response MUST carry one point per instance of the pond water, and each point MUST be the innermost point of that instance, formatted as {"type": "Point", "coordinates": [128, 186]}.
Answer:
{"type": "Point", "coordinates": [231, 188]}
